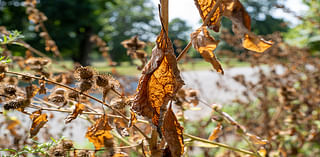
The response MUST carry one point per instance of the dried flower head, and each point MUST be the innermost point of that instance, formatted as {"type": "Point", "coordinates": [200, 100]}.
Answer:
{"type": "Point", "coordinates": [85, 85]}
{"type": "Point", "coordinates": [59, 91]}
{"type": "Point", "coordinates": [10, 90]}
{"type": "Point", "coordinates": [102, 80]}
{"type": "Point", "coordinates": [73, 95]}
{"type": "Point", "coordinates": [84, 73]}
{"type": "Point", "coordinates": [18, 102]}
{"type": "Point", "coordinates": [57, 99]}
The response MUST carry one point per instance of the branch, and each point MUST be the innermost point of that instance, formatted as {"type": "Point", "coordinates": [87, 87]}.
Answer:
{"type": "Point", "coordinates": [220, 145]}
{"type": "Point", "coordinates": [87, 95]}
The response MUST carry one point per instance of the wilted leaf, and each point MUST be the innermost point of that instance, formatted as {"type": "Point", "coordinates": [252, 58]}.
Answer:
{"type": "Point", "coordinates": [99, 134]}
{"type": "Point", "coordinates": [173, 133]}
{"type": "Point", "coordinates": [205, 44]}
{"type": "Point", "coordinates": [205, 7]}
{"type": "Point", "coordinates": [79, 108]}
{"type": "Point", "coordinates": [256, 140]}
{"type": "Point", "coordinates": [241, 26]}
{"type": "Point", "coordinates": [215, 132]}
{"type": "Point", "coordinates": [32, 91]}
{"type": "Point", "coordinates": [159, 82]}
{"type": "Point", "coordinates": [256, 44]}
{"type": "Point", "coordinates": [262, 152]}
{"type": "Point", "coordinates": [11, 125]}
{"type": "Point", "coordinates": [133, 119]}
{"type": "Point", "coordinates": [38, 121]}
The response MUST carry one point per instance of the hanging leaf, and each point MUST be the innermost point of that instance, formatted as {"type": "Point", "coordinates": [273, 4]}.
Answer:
{"type": "Point", "coordinates": [159, 82]}
{"type": "Point", "coordinates": [205, 44]}
{"type": "Point", "coordinates": [173, 133]}
{"type": "Point", "coordinates": [215, 132]}
{"type": "Point", "coordinates": [241, 26]}
{"type": "Point", "coordinates": [79, 108]}
{"type": "Point", "coordinates": [256, 139]}
{"type": "Point", "coordinates": [42, 89]}
{"type": "Point", "coordinates": [99, 134]}
{"type": "Point", "coordinates": [204, 8]}
{"type": "Point", "coordinates": [38, 121]}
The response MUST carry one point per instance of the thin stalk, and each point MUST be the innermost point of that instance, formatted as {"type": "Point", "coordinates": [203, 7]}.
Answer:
{"type": "Point", "coordinates": [87, 95]}
{"type": "Point", "coordinates": [220, 145]}
{"type": "Point", "coordinates": [206, 21]}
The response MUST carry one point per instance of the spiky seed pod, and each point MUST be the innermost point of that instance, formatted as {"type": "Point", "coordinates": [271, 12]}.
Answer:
{"type": "Point", "coordinates": [102, 80]}
{"type": "Point", "coordinates": [73, 95]}
{"type": "Point", "coordinates": [10, 90]}
{"type": "Point", "coordinates": [84, 73]}
{"type": "Point", "coordinates": [85, 85]}
{"type": "Point", "coordinates": [57, 99]}
{"type": "Point", "coordinates": [18, 102]}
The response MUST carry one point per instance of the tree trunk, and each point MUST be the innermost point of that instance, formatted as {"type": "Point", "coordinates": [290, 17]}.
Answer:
{"type": "Point", "coordinates": [85, 48]}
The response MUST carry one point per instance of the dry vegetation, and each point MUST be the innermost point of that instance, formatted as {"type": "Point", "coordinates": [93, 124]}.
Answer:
{"type": "Point", "coordinates": [278, 115]}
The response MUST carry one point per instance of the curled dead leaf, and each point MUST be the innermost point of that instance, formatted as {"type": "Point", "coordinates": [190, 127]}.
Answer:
{"type": "Point", "coordinates": [79, 108]}
{"type": "Point", "coordinates": [159, 82]}
{"type": "Point", "coordinates": [38, 121]}
{"type": "Point", "coordinates": [256, 139]}
{"type": "Point", "coordinates": [205, 44]}
{"type": "Point", "coordinates": [215, 132]}
{"type": "Point", "coordinates": [173, 133]}
{"type": "Point", "coordinates": [99, 134]}
{"type": "Point", "coordinates": [205, 7]}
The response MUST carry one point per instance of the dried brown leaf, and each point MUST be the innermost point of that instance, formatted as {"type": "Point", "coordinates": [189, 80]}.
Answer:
{"type": "Point", "coordinates": [241, 26]}
{"type": "Point", "coordinates": [38, 121]}
{"type": "Point", "coordinates": [215, 132]}
{"type": "Point", "coordinates": [32, 91]}
{"type": "Point", "coordinates": [256, 139]}
{"type": "Point", "coordinates": [79, 108]}
{"type": "Point", "coordinates": [173, 133]}
{"type": "Point", "coordinates": [205, 44]}
{"type": "Point", "coordinates": [204, 8]}
{"type": "Point", "coordinates": [99, 134]}
{"type": "Point", "coordinates": [159, 82]}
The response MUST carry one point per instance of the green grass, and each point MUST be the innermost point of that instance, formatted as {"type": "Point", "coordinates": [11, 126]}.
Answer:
{"type": "Point", "coordinates": [131, 70]}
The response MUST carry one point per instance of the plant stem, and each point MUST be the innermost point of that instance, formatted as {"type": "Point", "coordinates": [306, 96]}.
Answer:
{"type": "Point", "coordinates": [87, 95]}
{"type": "Point", "coordinates": [205, 22]}
{"type": "Point", "coordinates": [220, 145]}
{"type": "Point", "coordinates": [165, 14]}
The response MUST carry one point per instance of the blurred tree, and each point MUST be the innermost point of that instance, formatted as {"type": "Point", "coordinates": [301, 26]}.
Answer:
{"type": "Point", "coordinates": [307, 33]}
{"type": "Point", "coordinates": [126, 19]}
{"type": "Point", "coordinates": [179, 33]}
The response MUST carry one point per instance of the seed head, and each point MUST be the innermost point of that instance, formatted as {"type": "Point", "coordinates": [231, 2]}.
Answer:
{"type": "Point", "coordinates": [84, 73]}
{"type": "Point", "coordinates": [85, 85]}
{"type": "Point", "coordinates": [102, 80]}
{"type": "Point", "coordinates": [57, 99]}
{"type": "Point", "coordinates": [10, 90]}
{"type": "Point", "coordinates": [73, 95]}
{"type": "Point", "coordinates": [18, 102]}
{"type": "Point", "coordinates": [3, 67]}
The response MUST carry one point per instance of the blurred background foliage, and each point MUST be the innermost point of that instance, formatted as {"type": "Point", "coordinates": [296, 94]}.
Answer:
{"type": "Point", "coordinates": [71, 23]}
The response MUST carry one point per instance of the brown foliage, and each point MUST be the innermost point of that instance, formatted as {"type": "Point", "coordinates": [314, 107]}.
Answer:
{"type": "Point", "coordinates": [99, 134]}
{"type": "Point", "coordinates": [159, 82]}
{"type": "Point", "coordinates": [38, 121]}
{"type": "Point", "coordinates": [173, 133]}
{"type": "Point", "coordinates": [205, 44]}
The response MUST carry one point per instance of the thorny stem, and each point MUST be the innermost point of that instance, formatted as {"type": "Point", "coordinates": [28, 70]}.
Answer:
{"type": "Point", "coordinates": [87, 95]}
{"type": "Point", "coordinates": [206, 21]}
{"type": "Point", "coordinates": [220, 145]}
